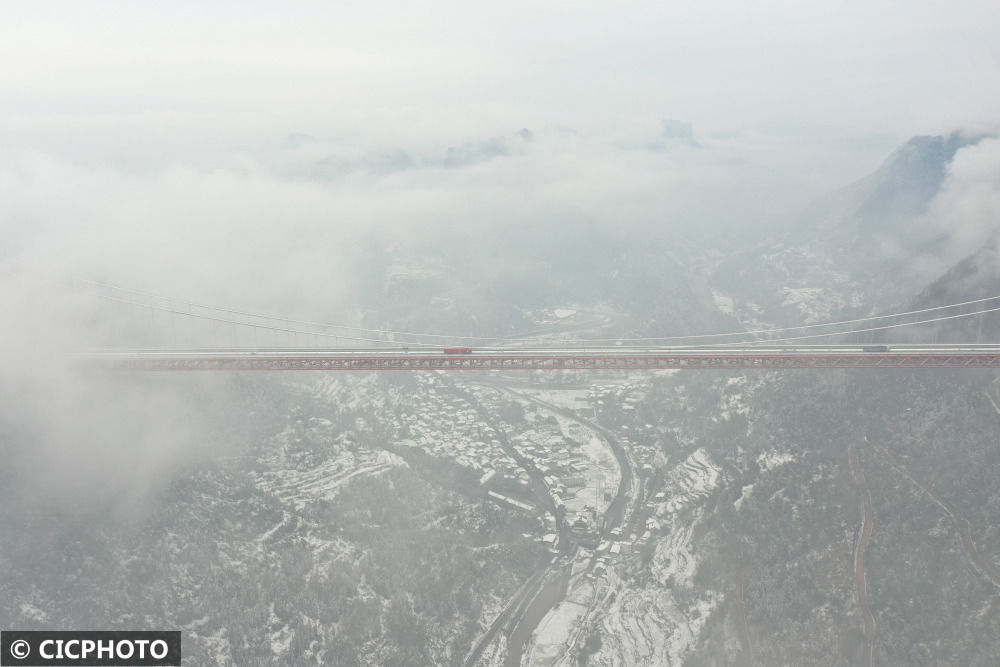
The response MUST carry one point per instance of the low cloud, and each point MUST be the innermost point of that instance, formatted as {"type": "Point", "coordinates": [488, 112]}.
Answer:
{"type": "Point", "coordinates": [968, 207]}
{"type": "Point", "coordinates": [279, 226]}
{"type": "Point", "coordinates": [266, 229]}
{"type": "Point", "coordinates": [966, 212]}
{"type": "Point", "coordinates": [80, 439]}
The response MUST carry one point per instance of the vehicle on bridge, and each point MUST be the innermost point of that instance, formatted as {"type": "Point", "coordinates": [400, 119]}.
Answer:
{"type": "Point", "coordinates": [458, 350]}
{"type": "Point", "coordinates": [876, 348]}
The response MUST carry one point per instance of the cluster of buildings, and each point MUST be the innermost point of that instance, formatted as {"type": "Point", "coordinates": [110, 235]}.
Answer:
{"type": "Point", "coordinates": [448, 427]}
{"type": "Point", "coordinates": [578, 468]}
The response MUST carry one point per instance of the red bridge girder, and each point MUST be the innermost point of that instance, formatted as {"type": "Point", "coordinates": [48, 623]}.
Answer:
{"type": "Point", "coordinates": [410, 362]}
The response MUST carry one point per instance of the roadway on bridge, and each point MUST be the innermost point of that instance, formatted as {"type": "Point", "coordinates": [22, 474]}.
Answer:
{"type": "Point", "coordinates": [554, 358]}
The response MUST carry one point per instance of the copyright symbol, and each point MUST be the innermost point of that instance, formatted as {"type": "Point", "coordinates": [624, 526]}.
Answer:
{"type": "Point", "coordinates": [20, 649]}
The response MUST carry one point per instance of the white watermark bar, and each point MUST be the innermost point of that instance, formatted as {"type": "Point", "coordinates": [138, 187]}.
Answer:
{"type": "Point", "coordinates": [89, 647]}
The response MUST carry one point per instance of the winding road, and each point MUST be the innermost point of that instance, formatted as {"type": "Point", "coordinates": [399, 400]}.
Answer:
{"type": "Point", "coordinates": [860, 551]}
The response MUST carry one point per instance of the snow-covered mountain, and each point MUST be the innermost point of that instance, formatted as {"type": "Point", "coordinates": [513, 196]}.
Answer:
{"type": "Point", "coordinates": [864, 248]}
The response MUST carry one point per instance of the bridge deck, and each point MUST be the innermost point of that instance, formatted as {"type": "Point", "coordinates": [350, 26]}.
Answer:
{"type": "Point", "coordinates": [966, 356]}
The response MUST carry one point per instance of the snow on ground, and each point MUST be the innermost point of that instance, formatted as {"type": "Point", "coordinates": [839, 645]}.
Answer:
{"type": "Point", "coordinates": [34, 613]}
{"type": "Point", "coordinates": [561, 628]}
{"type": "Point", "coordinates": [674, 560]}
{"type": "Point", "coordinates": [563, 313]}
{"type": "Point", "coordinates": [696, 477]}
{"type": "Point", "coordinates": [816, 304]}
{"type": "Point", "coordinates": [302, 488]}
{"type": "Point", "coordinates": [494, 655]}
{"type": "Point", "coordinates": [327, 553]}
{"type": "Point", "coordinates": [567, 399]}
{"type": "Point", "coordinates": [350, 393]}
{"type": "Point", "coordinates": [733, 400]}
{"type": "Point", "coordinates": [298, 484]}
{"type": "Point", "coordinates": [267, 535]}
{"type": "Point", "coordinates": [635, 630]}
{"type": "Point", "coordinates": [603, 459]}
{"type": "Point", "coordinates": [652, 625]}
{"type": "Point", "coordinates": [746, 492]}
{"type": "Point", "coordinates": [217, 645]}
{"type": "Point", "coordinates": [584, 447]}
{"type": "Point", "coordinates": [280, 639]}
{"type": "Point", "coordinates": [772, 459]}
{"type": "Point", "coordinates": [385, 457]}
{"type": "Point", "coordinates": [601, 473]}
{"type": "Point", "coordinates": [553, 633]}
{"type": "Point", "coordinates": [649, 625]}
{"type": "Point", "coordinates": [723, 302]}
{"type": "Point", "coordinates": [450, 427]}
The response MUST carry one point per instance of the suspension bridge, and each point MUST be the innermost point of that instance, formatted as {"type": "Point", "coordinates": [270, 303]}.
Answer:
{"type": "Point", "coordinates": [260, 342]}
{"type": "Point", "coordinates": [553, 358]}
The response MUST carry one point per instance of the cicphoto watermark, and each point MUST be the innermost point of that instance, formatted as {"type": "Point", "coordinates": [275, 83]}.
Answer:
{"type": "Point", "coordinates": [42, 648]}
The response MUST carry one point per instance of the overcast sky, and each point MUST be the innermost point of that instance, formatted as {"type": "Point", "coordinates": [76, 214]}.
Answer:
{"type": "Point", "coordinates": [857, 67]}
{"type": "Point", "coordinates": [197, 141]}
